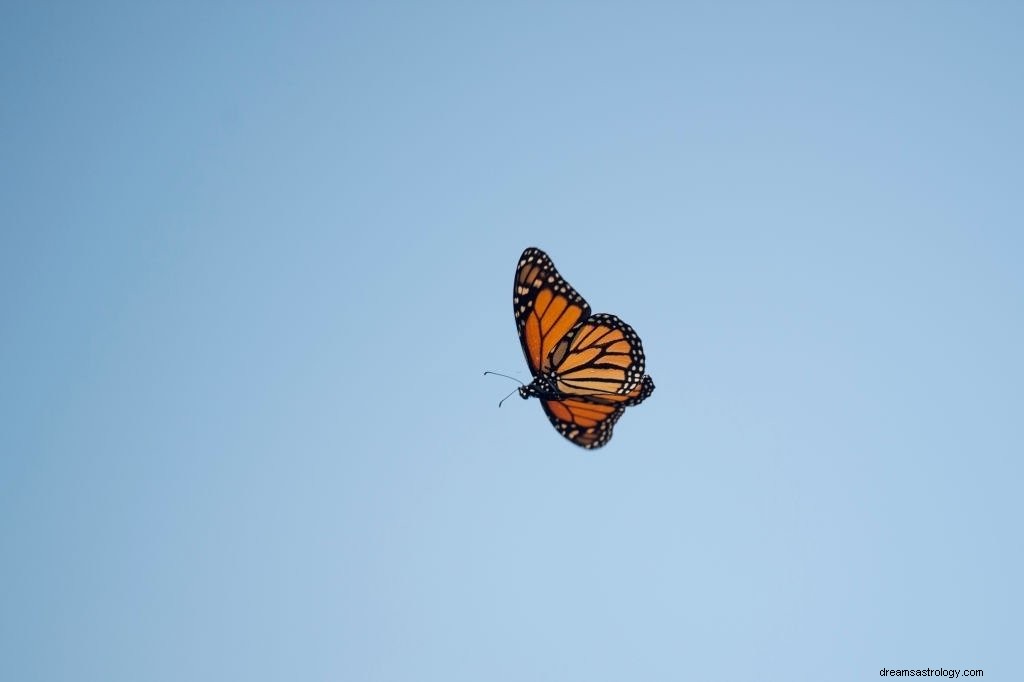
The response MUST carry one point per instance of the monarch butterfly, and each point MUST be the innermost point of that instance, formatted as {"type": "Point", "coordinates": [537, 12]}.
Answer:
{"type": "Point", "coordinates": [586, 368]}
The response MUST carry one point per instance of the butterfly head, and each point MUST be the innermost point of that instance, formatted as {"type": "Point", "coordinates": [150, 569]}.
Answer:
{"type": "Point", "coordinates": [543, 386]}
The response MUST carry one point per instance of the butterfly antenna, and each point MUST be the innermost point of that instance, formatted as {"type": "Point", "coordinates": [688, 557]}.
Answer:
{"type": "Point", "coordinates": [499, 374]}
{"type": "Point", "coordinates": [507, 397]}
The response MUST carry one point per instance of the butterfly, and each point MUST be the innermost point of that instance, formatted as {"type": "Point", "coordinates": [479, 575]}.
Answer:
{"type": "Point", "coordinates": [586, 368]}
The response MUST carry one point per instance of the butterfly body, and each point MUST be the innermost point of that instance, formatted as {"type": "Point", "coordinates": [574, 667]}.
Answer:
{"type": "Point", "coordinates": [586, 368]}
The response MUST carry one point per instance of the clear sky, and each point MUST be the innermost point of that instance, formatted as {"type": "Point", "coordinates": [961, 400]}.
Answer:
{"type": "Point", "coordinates": [255, 258]}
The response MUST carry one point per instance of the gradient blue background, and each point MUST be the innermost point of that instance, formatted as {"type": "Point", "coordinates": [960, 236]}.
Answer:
{"type": "Point", "coordinates": [255, 259]}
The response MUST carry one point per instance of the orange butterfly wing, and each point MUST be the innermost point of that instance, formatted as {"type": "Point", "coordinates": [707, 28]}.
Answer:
{"type": "Point", "coordinates": [546, 308]}
{"type": "Point", "coordinates": [589, 423]}
{"type": "Point", "coordinates": [602, 357]}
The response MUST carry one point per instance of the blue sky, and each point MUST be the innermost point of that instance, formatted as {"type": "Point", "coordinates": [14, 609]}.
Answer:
{"type": "Point", "coordinates": [255, 260]}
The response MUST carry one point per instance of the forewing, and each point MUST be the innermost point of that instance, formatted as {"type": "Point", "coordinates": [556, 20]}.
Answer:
{"type": "Point", "coordinates": [586, 424]}
{"type": "Point", "coordinates": [546, 308]}
{"type": "Point", "coordinates": [601, 357]}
